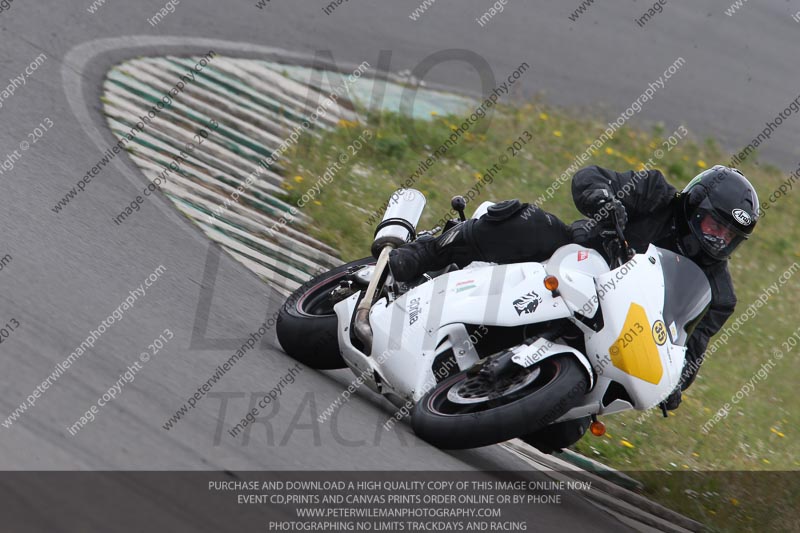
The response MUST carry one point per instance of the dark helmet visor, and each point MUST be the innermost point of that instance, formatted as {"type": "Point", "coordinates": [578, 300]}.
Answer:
{"type": "Point", "coordinates": [717, 237]}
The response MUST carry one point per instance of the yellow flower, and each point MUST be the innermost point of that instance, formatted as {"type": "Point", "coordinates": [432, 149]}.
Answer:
{"type": "Point", "coordinates": [557, 133]}
{"type": "Point", "coordinates": [766, 461]}
{"type": "Point", "coordinates": [543, 116]}
{"type": "Point", "coordinates": [778, 433]}
{"type": "Point", "coordinates": [734, 501]}
{"type": "Point", "coordinates": [626, 443]}
{"type": "Point", "coordinates": [609, 151]}
{"type": "Point", "coordinates": [347, 123]}
{"type": "Point", "coordinates": [701, 163]}
{"type": "Point", "coordinates": [298, 179]}
{"type": "Point", "coordinates": [477, 175]}
{"type": "Point", "coordinates": [287, 186]}
{"type": "Point", "coordinates": [317, 202]}
{"type": "Point", "coordinates": [695, 454]}
{"type": "Point", "coordinates": [434, 114]}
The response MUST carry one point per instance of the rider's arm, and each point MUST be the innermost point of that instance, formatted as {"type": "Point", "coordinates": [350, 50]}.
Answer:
{"type": "Point", "coordinates": [723, 302]}
{"type": "Point", "coordinates": [642, 192]}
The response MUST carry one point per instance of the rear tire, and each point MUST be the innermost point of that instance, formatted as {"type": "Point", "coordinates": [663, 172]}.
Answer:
{"type": "Point", "coordinates": [307, 325]}
{"type": "Point", "coordinates": [561, 384]}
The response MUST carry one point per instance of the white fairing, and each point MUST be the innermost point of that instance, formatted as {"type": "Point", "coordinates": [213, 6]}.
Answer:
{"type": "Point", "coordinates": [420, 321]}
{"type": "Point", "coordinates": [411, 331]}
{"type": "Point", "coordinates": [645, 363]}
{"type": "Point", "coordinates": [576, 269]}
{"type": "Point", "coordinates": [619, 311]}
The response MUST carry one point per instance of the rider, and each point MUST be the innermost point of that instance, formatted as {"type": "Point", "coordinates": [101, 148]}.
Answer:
{"type": "Point", "coordinates": [714, 213]}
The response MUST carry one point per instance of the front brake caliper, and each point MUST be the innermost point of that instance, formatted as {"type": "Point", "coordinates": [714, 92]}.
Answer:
{"type": "Point", "coordinates": [497, 366]}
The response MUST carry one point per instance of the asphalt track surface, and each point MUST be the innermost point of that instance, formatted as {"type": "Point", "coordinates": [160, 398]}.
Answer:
{"type": "Point", "coordinates": [71, 270]}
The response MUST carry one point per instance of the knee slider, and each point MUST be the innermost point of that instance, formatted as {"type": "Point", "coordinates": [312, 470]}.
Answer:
{"type": "Point", "coordinates": [503, 210]}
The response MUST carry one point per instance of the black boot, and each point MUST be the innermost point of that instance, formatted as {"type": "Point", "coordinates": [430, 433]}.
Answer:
{"type": "Point", "coordinates": [425, 254]}
{"type": "Point", "coordinates": [556, 437]}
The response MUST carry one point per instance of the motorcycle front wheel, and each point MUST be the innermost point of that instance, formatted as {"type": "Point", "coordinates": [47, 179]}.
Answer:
{"type": "Point", "coordinates": [468, 411]}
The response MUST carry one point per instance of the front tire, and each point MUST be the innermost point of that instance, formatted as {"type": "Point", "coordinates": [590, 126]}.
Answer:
{"type": "Point", "coordinates": [307, 325]}
{"type": "Point", "coordinates": [454, 415]}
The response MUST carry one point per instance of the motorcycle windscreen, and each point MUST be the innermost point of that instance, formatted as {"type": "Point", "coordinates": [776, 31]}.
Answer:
{"type": "Point", "coordinates": [687, 295]}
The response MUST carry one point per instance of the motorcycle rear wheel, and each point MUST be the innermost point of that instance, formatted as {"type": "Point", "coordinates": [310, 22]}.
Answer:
{"type": "Point", "coordinates": [307, 325]}
{"type": "Point", "coordinates": [454, 415]}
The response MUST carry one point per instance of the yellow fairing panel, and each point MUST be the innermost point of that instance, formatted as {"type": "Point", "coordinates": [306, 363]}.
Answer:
{"type": "Point", "coordinates": [635, 351]}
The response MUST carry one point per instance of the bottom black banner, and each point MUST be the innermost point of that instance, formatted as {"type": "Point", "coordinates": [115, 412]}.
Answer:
{"type": "Point", "coordinates": [336, 501]}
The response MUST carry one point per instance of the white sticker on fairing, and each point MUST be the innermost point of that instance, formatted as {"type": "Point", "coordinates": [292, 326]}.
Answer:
{"type": "Point", "coordinates": [742, 217]}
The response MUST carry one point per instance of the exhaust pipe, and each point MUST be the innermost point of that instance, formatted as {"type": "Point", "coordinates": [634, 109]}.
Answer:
{"type": "Point", "coordinates": [397, 228]}
{"type": "Point", "coordinates": [361, 326]}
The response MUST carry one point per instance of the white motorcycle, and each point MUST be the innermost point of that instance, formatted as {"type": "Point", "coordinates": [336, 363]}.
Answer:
{"type": "Point", "coordinates": [493, 352]}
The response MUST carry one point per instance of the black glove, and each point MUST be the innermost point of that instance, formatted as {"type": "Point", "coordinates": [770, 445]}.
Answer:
{"type": "Point", "coordinates": [601, 205]}
{"type": "Point", "coordinates": [673, 400]}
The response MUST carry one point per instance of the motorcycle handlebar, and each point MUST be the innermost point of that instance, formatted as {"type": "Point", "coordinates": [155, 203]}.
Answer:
{"type": "Point", "coordinates": [618, 236]}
